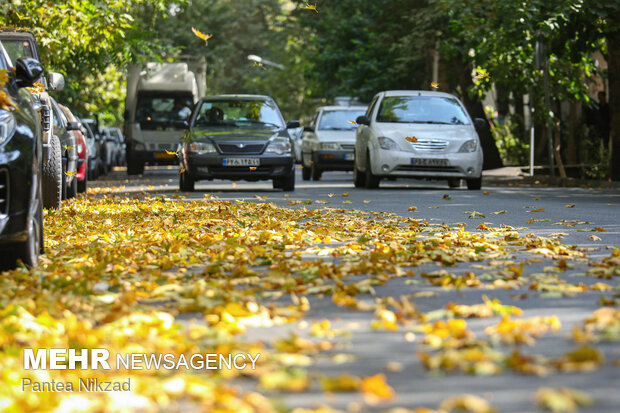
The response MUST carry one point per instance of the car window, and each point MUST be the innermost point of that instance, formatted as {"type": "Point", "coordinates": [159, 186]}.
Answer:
{"type": "Point", "coordinates": [422, 109]}
{"type": "Point", "coordinates": [162, 110]}
{"type": "Point", "coordinates": [238, 112]}
{"type": "Point", "coordinates": [17, 48]}
{"type": "Point", "coordinates": [4, 65]}
{"type": "Point", "coordinates": [339, 119]}
{"type": "Point", "coordinates": [371, 107]}
{"type": "Point", "coordinates": [314, 119]}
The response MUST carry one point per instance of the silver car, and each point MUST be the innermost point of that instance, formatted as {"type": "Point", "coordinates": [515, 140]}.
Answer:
{"type": "Point", "coordinates": [417, 134]}
{"type": "Point", "coordinates": [329, 140]}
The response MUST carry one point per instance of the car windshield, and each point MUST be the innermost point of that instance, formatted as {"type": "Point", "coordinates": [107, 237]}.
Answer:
{"type": "Point", "coordinates": [422, 109]}
{"type": "Point", "coordinates": [339, 119]}
{"type": "Point", "coordinates": [17, 48]}
{"type": "Point", "coordinates": [158, 110]}
{"type": "Point", "coordinates": [238, 112]}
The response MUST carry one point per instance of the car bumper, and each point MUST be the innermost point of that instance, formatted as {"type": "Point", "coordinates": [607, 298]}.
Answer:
{"type": "Point", "coordinates": [155, 157]}
{"type": "Point", "coordinates": [334, 160]}
{"type": "Point", "coordinates": [212, 167]}
{"type": "Point", "coordinates": [434, 165]}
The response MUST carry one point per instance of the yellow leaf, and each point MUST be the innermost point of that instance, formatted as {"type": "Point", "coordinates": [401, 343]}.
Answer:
{"type": "Point", "coordinates": [342, 383]}
{"type": "Point", "coordinates": [434, 85]}
{"type": "Point", "coordinates": [562, 400]}
{"type": "Point", "coordinates": [412, 209]}
{"type": "Point", "coordinates": [570, 206]}
{"type": "Point", "coordinates": [411, 139]}
{"type": "Point", "coordinates": [309, 6]}
{"type": "Point", "coordinates": [375, 389]}
{"type": "Point", "coordinates": [203, 36]}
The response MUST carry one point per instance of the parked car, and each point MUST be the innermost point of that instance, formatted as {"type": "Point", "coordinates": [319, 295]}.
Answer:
{"type": "Point", "coordinates": [297, 135]}
{"type": "Point", "coordinates": [237, 137]}
{"type": "Point", "coordinates": [21, 150]}
{"type": "Point", "coordinates": [116, 154]}
{"type": "Point", "coordinates": [93, 145]}
{"type": "Point", "coordinates": [82, 151]}
{"type": "Point", "coordinates": [22, 43]}
{"type": "Point", "coordinates": [102, 153]}
{"type": "Point", "coordinates": [417, 134]}
{"type": "Point", "coordinates": [69, 151]}
{"type": "Point", "coordinates": [329, 141]}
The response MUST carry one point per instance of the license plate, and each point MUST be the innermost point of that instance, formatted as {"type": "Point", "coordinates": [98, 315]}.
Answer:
{"type": "Point", "coordinates": [241, 161]}
{"type": "Point", "coordinates": [429, 162]}
{"type": "Point", "coordinates": [164, 155]}
{"type": "Point", "coordinates": [349, 156]}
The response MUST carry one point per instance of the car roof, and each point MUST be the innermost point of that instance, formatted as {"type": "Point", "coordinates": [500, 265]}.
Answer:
{"type": "Point", "coordinates": [415, 93]}
{"type": "Point", "coordinates": [357, 107]}
{"type": "Point", "coordinates": [240, 97]}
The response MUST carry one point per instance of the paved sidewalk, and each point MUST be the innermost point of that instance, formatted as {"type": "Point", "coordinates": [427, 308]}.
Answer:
{"type": "Point", "coordinates": [517, 175]}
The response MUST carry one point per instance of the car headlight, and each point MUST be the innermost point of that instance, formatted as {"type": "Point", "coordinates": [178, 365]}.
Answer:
{"type": "Point", "coordinates": [202, 148]}
{"type": "Point", "coordinates": [279, 146]}
{"type": "Point", "coordinates": [469, 146]}
{"type": "Point", "coordinates": [7, 125]}
{"type": "Point", "coordinates": [388, 144]}
{"type": "Point", "coordinates": [330, 146]}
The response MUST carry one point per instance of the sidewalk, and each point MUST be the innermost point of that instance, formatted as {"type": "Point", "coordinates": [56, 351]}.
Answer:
{"type": "Point", "coordinates": [517, 175]}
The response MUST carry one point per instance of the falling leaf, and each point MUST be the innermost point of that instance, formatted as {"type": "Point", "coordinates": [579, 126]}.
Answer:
{"type": "Point", "coordinates": [182, 170]}
{"type": "Point", "coordinates": [411, 139]}
{"type": "Point", "coordinates": [482, 74]}
{"type": "Point", "coordinates": [172, 152]}
{"type": "Point", "coordinates": [353, 122]}
{"type": "Point", "coordinates": [71, 173]}
{"type": "Point", "coordinates": [253, 168]}
{"type": "Point", "coordinates": [485, 192]}
{"type": "Point", "coordinates": [35, 89]}
{"type": "Point", "coordinates": [434, 85]}
{"type": "Point", "coordinates": [310, 7]}
{"type": "Point", "coordinates": [203, 36]}
{"type": "Point", "coordinates": [67, 147]}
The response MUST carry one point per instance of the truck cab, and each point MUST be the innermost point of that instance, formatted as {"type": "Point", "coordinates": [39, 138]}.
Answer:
{"type": "Point", "coordinates": [160, 97]}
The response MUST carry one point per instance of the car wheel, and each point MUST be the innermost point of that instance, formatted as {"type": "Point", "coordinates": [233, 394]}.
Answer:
{"type": "Point", "coordinates": [474, 184]}
{"type": "Point", "coordinates": [306, 173]}
{"type": "Point", "coordinates": [286, 183]}
{"type": "Point", "coordinates": [372, 180]}
{"type": "Point", "coordinates": [315, 172]}
{"type": "Point", "coordinates": [359, 178]}
{"type": "Point", "coordinates": [135, 167]}
{"type": "Point", "coordinates": [52, 176]}
{"type": "Point", "coordinates": [65, 178]}
{"type": "Point", "coordinates": [28, 251]}
{"type": "Point", "coordinates": [186, 182]}
{"type": "Point", "coordinates": [454, 183]}
{"type": "Point", "coordinates": [82, 185]}
{"type": "Point", "coordinates": [72, 188]}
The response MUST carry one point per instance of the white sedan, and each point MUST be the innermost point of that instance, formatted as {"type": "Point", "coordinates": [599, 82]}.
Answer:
{"type": "Point", "coordinates": [417, 134]}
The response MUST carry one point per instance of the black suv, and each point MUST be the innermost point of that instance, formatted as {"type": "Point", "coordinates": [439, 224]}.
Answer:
{"type": "Point", "coordinates": [21, 207]}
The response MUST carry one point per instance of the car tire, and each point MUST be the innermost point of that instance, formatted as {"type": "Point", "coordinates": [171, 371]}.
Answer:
{"type": "Point", "coordinates": [454, 183]}
{"type": "Point", "coordinates": [187, 182]}
{"type": "Point", "coordinates": [306, 173]}
{"type": "Point", "coordinates": [135, 167]}
{"type": "Point", "coordinates": [82, 185]}
{"type": "Point", "coordinates": [372, 180]}
{"type": "Point", "coordinates": [474, 184]}
{"type": "Point", "coordinates": [72, 188]}
{"type": "Point", "coordinates": [286, 183]}
{"type": "Point", "coordinates": [359, 177]}
{"type": "Point", "coordinates": [315, 172]}
{"type": "Point", "coordinates": [64, 179]}
{"type": "Point", "coordinates": [51, 176]}
{"type": "Point", "coordinates": [28, 251]}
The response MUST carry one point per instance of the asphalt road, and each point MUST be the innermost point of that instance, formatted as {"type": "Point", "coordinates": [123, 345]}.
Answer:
{"type": "Point", "coordinates": [369, 350]}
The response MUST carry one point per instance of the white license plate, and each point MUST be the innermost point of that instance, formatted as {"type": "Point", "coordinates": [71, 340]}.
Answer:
{"type": "Point", "coordinates": [429, 162]}
{"type": "Point", "coordinates": [349, 156]}
{"type": "Point", "coordinates": [241, 161]}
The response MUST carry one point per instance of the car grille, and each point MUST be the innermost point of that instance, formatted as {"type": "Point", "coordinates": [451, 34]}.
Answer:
{"type": "Point", "coordinates": [232, 148]}
{"type": "Point", "coordinates": [4, 192]}
{"type": "Point", "coordinates": [418, 168]}
{"type": "Point", "coordinates": [430, 145]}
{"type": "Point", "coordinates": [347, 146]}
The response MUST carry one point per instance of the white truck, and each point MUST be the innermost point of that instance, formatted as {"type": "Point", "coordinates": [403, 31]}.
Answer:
{"type": "Point", "coordinates": [160, 96]}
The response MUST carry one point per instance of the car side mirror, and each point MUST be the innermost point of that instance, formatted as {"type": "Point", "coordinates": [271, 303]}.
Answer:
{"type": "Point", "coordinates": [27, 71]}
{"type": "Point", "coordinates": [362, 120]}
{"type": "Point", "coordinates": [479, 123]}
{"type": "Point", "coordinates": [73, 126]}
{"type": "Point", "coordinates": [293, 124]}
{"type": "Point", "coordinates": [181, 124]}
{"type": "Point", "coordinates": [56, 81]}
{"type": "Point", "coordinates": [308, 129]}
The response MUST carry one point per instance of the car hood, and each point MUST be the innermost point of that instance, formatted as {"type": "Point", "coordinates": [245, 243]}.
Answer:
{"type": "Point", "coordinates": [426, 131]}
{"type": "Point", "coordinates": [221, 135]}
{"type": "Point", "coordinates": [336, 135]}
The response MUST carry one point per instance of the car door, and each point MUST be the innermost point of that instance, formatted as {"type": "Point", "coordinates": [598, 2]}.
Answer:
{"type": "Point", "coordinates": [309, 140]}
{"type": "Point", "coordinates": [362, 136]}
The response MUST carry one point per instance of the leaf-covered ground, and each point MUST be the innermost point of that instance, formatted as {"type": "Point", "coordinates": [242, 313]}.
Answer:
{"type": "Point", "coordinates": [307, 289]}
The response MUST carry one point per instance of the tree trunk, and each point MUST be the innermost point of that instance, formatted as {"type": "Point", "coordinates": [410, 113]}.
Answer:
{"type": "Point", "coordinates": [573, 125]}
{"type": "Point", "coordinates": [492, 159]}
{"type": "Point", "coordinates": [613, 64]}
